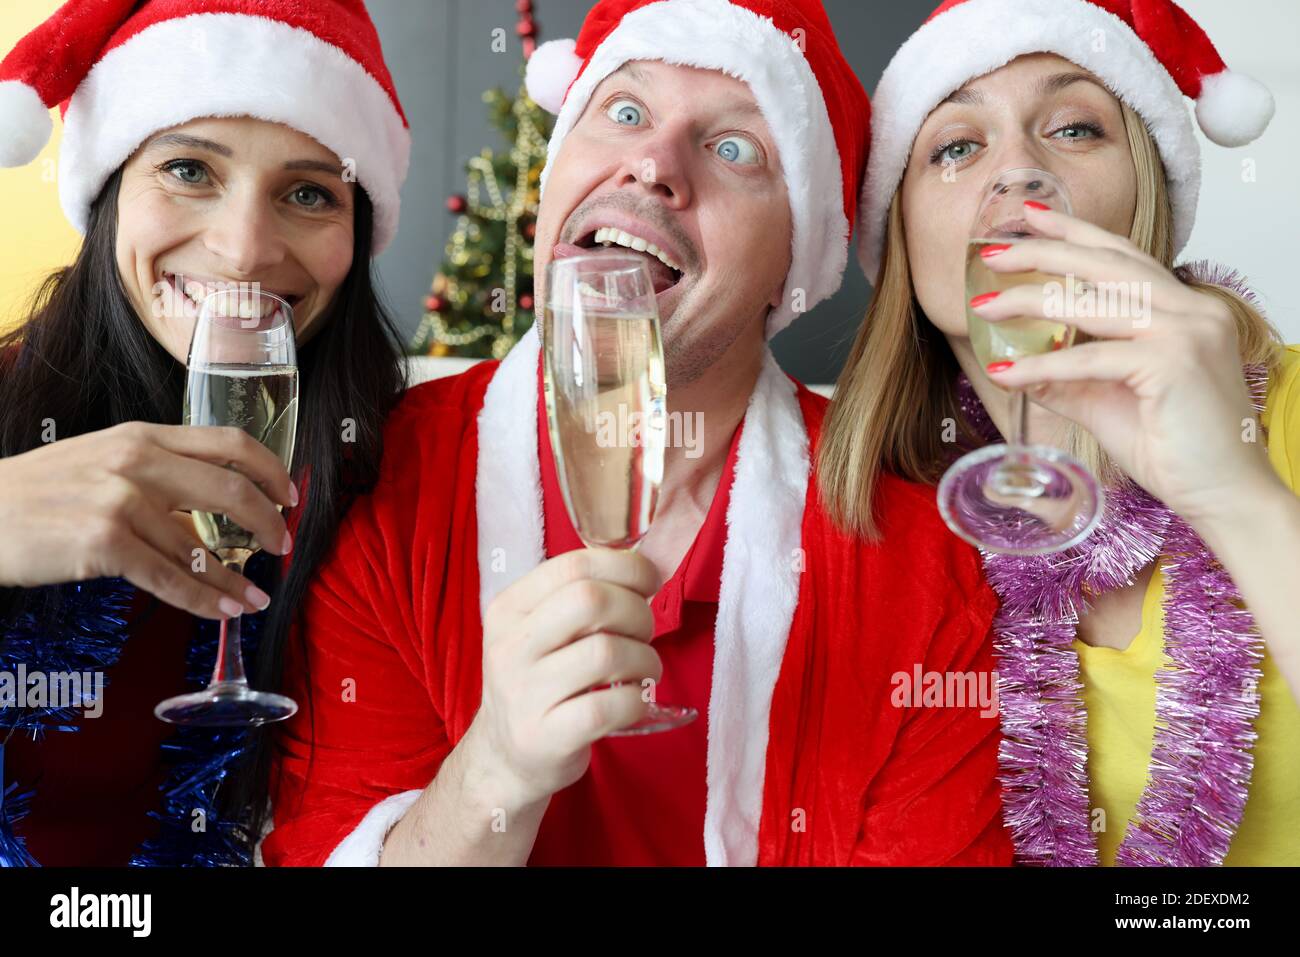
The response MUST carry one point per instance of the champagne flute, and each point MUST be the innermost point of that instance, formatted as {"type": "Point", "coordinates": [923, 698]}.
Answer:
{"type": "Point", "coordinates": [1017, 498]}
{"type": "Point", "coordinates": [242, 372]}
{"type": "Point", "coordinates": [606, 407]}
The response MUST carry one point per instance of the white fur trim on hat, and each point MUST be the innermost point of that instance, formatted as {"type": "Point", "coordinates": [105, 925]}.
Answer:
{"type": "Point", "coordinates": [232, 65]}
{"type": "Point", "coordinates": [26, 122]}
{"type": "Point", "coordinates": [549, 72]}
{"type": "Point", "coordinates": [718, 35]}
{"type": "Point", "coordinates": [979, 36]}
{"type": "Point", "coordinates": [1233, 109]}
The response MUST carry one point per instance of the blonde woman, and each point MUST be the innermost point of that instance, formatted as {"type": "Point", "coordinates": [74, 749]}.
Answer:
{"type": "Point", "coordinates": [1148, 677]}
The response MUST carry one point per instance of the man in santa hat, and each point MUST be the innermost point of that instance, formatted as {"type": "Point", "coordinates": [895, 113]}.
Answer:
{"type": "Point", "coordinates": [451, 641]}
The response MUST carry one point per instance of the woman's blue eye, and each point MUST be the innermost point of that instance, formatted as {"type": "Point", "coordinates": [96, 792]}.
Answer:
{"type": "Point", "coordinates": [737, 149]}
{"type": "Point", "coordinates": [959, 150]}
{"type": "Point", "coordinates": [953, 152]}
{"type": "Point", "coordinates": [1091, 129]}
{"type": "Point", "coordinates": [624, 112]}
{"type": "Point", "coordinates": [187, 171]}
{"type": "Point", "coordinates": [305, 194]}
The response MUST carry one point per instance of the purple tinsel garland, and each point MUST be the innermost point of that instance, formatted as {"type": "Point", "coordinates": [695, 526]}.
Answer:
{"type": "Point", "coordinates": [1207, 696]}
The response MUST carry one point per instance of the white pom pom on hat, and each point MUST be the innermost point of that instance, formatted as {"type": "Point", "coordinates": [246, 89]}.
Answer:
{"type": "Point", "coordinates": [25, 121]}
{"type": "Point", "coordinates": [1233, 109]}
{"type": "Point", "coordinates": [550, 70]}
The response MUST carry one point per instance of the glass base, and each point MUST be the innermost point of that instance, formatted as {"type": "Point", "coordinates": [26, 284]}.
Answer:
{"type": "Point", "coordinates": [230, 704]}
{"type": "Point", "coordinates": [660, 717]}
{"type": "Point", "coordinates": [1032, 501]}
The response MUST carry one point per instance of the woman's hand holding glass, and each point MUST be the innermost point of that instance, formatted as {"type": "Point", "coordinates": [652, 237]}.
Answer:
{"type": "Point", "coordinates": [114, 503]}
{"type": "Point", "coordinates": [1016, 497]}
{"type": "Point", "coordinates": [1160, 385]}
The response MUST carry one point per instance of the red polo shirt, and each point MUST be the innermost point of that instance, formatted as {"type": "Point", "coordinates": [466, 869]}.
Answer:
{"type": "Point", "coordinates": [642, 799]}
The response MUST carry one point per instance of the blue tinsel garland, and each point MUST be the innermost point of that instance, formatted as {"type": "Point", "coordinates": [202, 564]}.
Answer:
{"type": "Point", "coordinates": [85, 633]}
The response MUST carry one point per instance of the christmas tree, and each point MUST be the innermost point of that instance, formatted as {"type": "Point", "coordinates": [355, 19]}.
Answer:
{"type": "Point", "coordinates": [481, 301]}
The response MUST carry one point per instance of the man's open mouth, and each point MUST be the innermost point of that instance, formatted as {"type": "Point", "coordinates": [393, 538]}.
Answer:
{"type": "Point", "coordinates": [664, 271]}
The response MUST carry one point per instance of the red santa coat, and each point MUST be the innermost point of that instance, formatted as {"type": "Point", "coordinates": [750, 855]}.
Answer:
{"type": "Point", "coordinates": [810, 758]}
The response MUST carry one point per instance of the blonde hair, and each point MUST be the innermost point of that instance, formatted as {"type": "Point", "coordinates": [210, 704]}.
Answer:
{"type": "Point", "coordinates": [895, 395]}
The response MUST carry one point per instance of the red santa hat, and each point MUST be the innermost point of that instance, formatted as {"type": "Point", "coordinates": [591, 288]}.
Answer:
{"type": "Point", "coordinates": [785, 50]}
{"type": "Point", "coordinates": [120, 70]}
{"type": "Point", "coordinates": [1150, 54]}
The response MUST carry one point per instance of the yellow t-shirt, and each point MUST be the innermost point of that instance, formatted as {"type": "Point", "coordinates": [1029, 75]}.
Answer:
{"type": "Point", "coordinates": [1120, 694]}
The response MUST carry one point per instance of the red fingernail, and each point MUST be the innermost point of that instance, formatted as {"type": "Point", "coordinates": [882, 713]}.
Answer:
{"type": "Point", "coordinates": [983, 298]}
{"type": "Point", "coordinates": [995, 250]}
{"type": "Point", "coordinates": [1002, 366]}
{"type": "Point", "coordinates": [1034, 204]}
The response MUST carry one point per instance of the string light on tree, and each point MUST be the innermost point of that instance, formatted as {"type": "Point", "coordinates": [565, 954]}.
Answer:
{"type": "Point", "coordinates": [481, 299]}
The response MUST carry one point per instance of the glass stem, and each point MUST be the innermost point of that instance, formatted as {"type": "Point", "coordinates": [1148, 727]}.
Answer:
{"type": "Point", "coordinates": [230, 657]}
{"type": "Point", "coordinates": [1019, 431]}
{"type": "Point", "coordinates": [1015, 474]}
{"type": "Point", "coordinates": [1019, 419]}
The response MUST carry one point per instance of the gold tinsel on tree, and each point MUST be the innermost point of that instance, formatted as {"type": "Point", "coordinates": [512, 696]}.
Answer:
{"type": "Point", "coordinates": [481, 302]}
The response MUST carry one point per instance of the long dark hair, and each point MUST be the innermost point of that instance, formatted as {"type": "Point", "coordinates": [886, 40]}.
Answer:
{"type": "Point", "coordinates": [89, 363]}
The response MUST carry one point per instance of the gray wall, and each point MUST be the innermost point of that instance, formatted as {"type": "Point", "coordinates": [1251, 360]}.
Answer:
{"type": "Point", "coordinates": [439, 52]}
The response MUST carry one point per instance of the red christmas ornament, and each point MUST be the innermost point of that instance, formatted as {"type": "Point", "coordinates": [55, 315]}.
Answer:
{"type": "Point", "coordinates": [529, 45]}
{"type": "Point", "coordinates": [526, 301]}
{"type": "Point", "coordinates": [435, 303]}
{"type": "Point", "coordinates": [526, 27]}
{"type": "Point", "coordinates": [524, 6]}
{"type": "Point", "coordinates": [457, 204]}
{"type": "Point", "coordinates": [529, 230]}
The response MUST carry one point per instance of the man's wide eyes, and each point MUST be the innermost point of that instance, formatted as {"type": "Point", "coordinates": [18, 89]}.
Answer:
{"type": "Point", "coordinates": [738, 149]}
{"type": "Point", "coordinates": [624, 112]}
{"type": "Point", "coordinates": [733, 149]}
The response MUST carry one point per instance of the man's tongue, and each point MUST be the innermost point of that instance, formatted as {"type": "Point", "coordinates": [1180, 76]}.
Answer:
{"type": "Point", "coordinates": [660, 275]}
{"type": "Point", "coordinates": [565, 250]}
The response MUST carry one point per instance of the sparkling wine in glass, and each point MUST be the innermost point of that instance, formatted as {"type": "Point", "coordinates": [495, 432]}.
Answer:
{"type": "Point", "coordinates": [1016, 498]}
{"type": "Point", "coordinates": [242, 372]}
{"type": "Point", "coordinates": [606, 402]}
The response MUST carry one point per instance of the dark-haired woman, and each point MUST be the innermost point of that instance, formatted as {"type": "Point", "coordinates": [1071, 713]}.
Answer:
{"type": "Point", "coordinates": [204, 144]}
